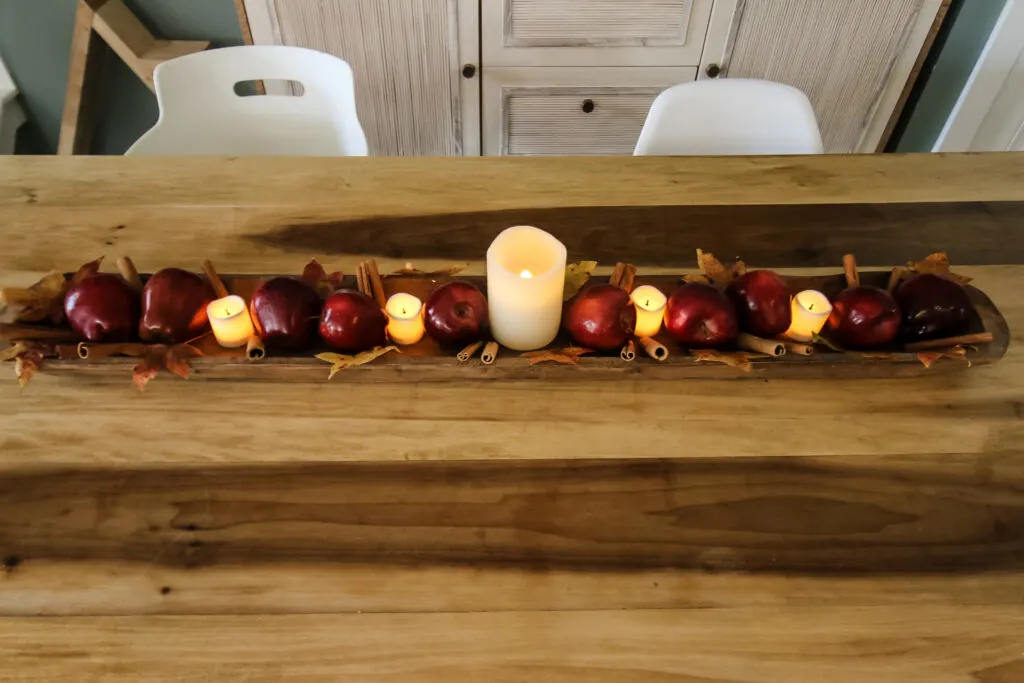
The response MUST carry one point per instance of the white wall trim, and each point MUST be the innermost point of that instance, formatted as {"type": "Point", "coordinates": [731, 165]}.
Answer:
{"type": "Point", "coordinates": [995, 65]}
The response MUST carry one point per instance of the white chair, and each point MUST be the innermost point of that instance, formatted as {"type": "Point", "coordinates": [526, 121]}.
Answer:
{"type": "Point", "coordinates": [201, 114]}
{"type": "Point", "coordinates": [730, 116]}
{"type": "Point", "coordinates": [11, 115]}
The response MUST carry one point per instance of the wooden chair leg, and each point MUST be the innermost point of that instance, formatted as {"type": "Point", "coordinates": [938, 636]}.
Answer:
{"type": "Point", "coordinates": [87, 48]}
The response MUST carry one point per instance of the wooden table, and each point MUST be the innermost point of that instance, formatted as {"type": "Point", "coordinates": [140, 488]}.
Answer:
{"type": "Point", "coordinates": [738, 531]}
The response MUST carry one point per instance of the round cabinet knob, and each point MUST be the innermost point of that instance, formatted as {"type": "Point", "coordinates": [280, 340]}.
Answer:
{"type": "Point", "coordinates": [713, 70]}
{"type": "Point", "coordinates": [588, 106]}
{"type": "Point", "coordinates": [468, 71]}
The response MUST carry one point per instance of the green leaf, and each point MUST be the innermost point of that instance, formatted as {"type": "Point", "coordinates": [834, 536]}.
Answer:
{"type": "Point", "coordinates": [577, 275]}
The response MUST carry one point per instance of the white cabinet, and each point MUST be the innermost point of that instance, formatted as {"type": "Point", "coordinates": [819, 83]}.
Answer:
{"type": "Point", "coordinates": [570, 110]}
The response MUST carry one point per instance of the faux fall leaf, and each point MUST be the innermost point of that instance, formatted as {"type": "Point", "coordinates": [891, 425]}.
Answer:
{"type": "Point", "coordinates": [570, 355]}
{"type": "Point", "coordinates": [318, 278]}
{"type": "Point", "coordinates": [936, 264]}
{"type": "Point", "coordinates": [340, 361]}
{"type": "Point", "coordinates": [824, 341]}
{"type": "Point", "coordinates": [929, 358]}
{"type": "Point", "coordinates": [450, 271]}
{"type": "Point", "coordinates": [734, 359]}
{"type": "Point", "coordinates": [577, 275]}
{"type": "Point", "coordinates": [697, 278]}
{"type": "Point", "coordinates": [157, 357]}
{"type": "Point", "coordinates": [712, 268]}
{"type": "Point", "coordinates": [42, 301]}
{"type": "Point", "coordinates": [27, 357]}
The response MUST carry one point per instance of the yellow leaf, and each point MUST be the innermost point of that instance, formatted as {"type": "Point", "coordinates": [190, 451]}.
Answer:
{"type": "Point", "coordinates": [340, 361]}
{"type": "Point", "coordinates": [929, 358]}
{"type": "Point", "coordinates": [577, 275]}
{"type": "Point", "coordinates": [734, 359]}
{"type": "Point", "coordinates": [13, 352]}
{"type": "Point", "coordinates": [714, 269]}
{"type": "Point", "coordinates": [42, 301]}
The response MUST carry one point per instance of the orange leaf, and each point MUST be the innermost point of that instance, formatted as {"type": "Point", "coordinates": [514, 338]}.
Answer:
{"type": "Point", "coordinates": [174, 359]}
{"type": "Point", "coordinates": [146, 369]}
{"type": "Point", "coordinates": [87, 270]}
{"type": "Point", "coordinates": [734, 359]}
{"type": "Point", "coordinates": [28, 359]}
{"type": "Point", "coordinates": [570, 355]}
{"type": "Point", "coordinates": [318, 278]}
{"type": "Point", "coordinates": [929, 358]}
{"type": "Point", "coordinates": [177, 359]}
{"type": "Point", "coordinates": [713, 268]}
{"type": "Point", "coordinates": [936, 264]}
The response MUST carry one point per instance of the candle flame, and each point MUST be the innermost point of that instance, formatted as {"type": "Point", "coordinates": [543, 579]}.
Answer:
{"type": "Point", "coordinates": [526, 274]}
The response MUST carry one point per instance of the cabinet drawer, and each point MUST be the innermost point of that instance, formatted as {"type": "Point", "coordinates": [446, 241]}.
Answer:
{"type": "Point", "coordinates": [532, 111]}
{"type": "Point", "coordinates": [594, 32]}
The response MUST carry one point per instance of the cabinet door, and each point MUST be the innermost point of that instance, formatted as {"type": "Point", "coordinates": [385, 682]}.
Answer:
{"type": "Point", "coordinates": [594, 32]}
{"type": "Point", "coordinates": [571, 110]}
{"type": "Point", "coordinates": [408, 58]}
{"type": "Point", "coordinates": [852, 59]}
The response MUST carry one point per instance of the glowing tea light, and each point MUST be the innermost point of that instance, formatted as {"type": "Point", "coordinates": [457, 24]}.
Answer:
{"type": "Point", "coordinates": [810, 310]}
{"type": "Point", "coordinates": [525, 279]}
{"type": "Point", "coordinates": [650, 310]}
{"type": "Point", "coordinates": [230, 321]}
{"type": "Point", "coordinates": [405, 318]}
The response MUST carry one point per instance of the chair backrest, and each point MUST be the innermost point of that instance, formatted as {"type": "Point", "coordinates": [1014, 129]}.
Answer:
{"type": "Point", "coordinates": [200, 113]}
{"type": "Point", "coordinates": [730, 116]}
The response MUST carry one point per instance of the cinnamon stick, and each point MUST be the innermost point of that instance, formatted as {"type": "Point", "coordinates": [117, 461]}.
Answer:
{"type": "Point", "coordinates": [799, 349]}
{"type": "Point", "coordinates": [770, 347]}
{"type": "Point", "coordinates": [211, 274]}
{"type": "Point", "coordinates": [655, 350]}
{"type": "Point", "coordinates": [254, 349]}
{"type": "Point", "coordinates": [88, 351]}
{"type": "Point", "coordinates": [616, 277]}
{"type": "Point", "coordinates": [623, 276]}
{"type": "Point", "coordinates": [850, 270]}
{"type": "Point", "coordinates": [490, 353]}
{"type": "Point", "coordinates": [378, 284]}
{"type": "Point", "coordinates": [361, 281]}
{"type": "Point", "coordinates": [468, 352]}
{"type": "Point", "coordinates": [129, 273]}
{"type": "Point", "coordinates": [979, 338]}
{"type": "Point", "coordinates": [894, 278]}
{"type": "Point", "coordinates": [628, 352]}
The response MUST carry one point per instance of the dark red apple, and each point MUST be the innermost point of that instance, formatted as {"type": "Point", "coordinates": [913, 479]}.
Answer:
{"type": "Point", "coordinates": [864, 317]}
{"type": "Point", "coordinates": [701, 316]}
{"type": "Point", "coordinates": [456, 312]}
{"type": "Point", "coordinates": [933, 307]}
{"type": "Point", "coordinates": [103, 308]}
{"type": "Point", "coordinates": [353, 322]}
{"type": "Point", "coordinates": [286, 311]}
{"type": "Point", "coordinates": [762, 304]}
{"type": "Point", "coordinates": [174, 306]}
{"type": "Point", "coordinates": [601, 317]}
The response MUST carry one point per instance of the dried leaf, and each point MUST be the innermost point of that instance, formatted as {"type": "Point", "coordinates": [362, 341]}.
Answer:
{"type": "Point", "coordinates": [318, 278]}
{"type": "Point", "coordinates": [340, 361]}
{"type": "Point", "coordinates": [570, 355]}
{"type": "Point", "coordinates": [174, 359]}
{"type": "Point", "coordinates": [734, 359]}
{"type": "Point", "coordinates": [28, 359]}
{"type": "Point", "coordinates": [875, 356]}
{"type": "Point", "coordinates": [177, 359]}
{"type": "Point", "coordinates": [87, 270]}
{"type": "Point", "coordinates": [818, 339]}
{"type": "Point", "coordinates": [25, 367]}
{"type": "Point", "coordinates": [577, 275]}
{"type": "Point", "coordinates": [929, 358]}
{"type": "Point", "coordinates": [147, 368]}
{"type": "Point", "coordinates": [12, 352]}
{"type": "Point", "coordinates": [713, 268]}
{"type": "Point", "coordinates": [697, 278]}
{"type": "Point", "coordinates": [408, 269]}
{"type": "Point", "coordinates": [936, 264]}
{"type": "Point", "coordinates": [42, 301]}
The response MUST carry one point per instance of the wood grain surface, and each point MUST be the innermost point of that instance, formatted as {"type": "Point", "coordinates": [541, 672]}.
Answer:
{"type": "Point", "coordinates": [695, 530]}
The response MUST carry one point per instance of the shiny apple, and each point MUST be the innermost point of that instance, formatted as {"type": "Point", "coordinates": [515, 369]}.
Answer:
{"type": "Point", "coordinates": [456, 312]}
{"type": "Point", "coordinates": [174, 306]}
{"type": "Point", "coordinates": [701, 316]}
{"type": "Point", "coordinates": [933, 307]}
{"type": "Point", "coordinates": [103, 308]}
{"type": "Point", "coordinates": [286, 312]}
{"type": "Point", "coordinates": [353, 322]}
{"type": "Point", "coordinates": [762, 303]}
{"type": "Point", "coordinates": [864, 317]}
{"type": "Point", "coordinates": [601, 317]}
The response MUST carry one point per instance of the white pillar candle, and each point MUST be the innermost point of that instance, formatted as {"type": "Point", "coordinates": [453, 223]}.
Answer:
{"type": "Point", "coordinates": [525, 280]}
{"type": "Point", "coordinates": [810, 310]}
{"type": "Point", "coordinates": [230, 321]}
{"type": "Point", "coordinates": [650, 310]}
{"type": "Point", "coordinates": [405, 318]}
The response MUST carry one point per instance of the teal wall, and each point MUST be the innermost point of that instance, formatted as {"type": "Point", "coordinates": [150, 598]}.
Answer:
{"type": "Point", "coordinates": [956, 59]}
{"type": "Point", "coordinates": [35, 43]}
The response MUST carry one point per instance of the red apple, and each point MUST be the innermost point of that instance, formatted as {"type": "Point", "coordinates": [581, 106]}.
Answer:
{"type": "Point", "coordinates": [456, 312]}
{"type": "Point", "coordinates": [353, 322]}
{"type": "Point", "coordinates": [601, 317]}
{"type": "Point", "coordinates": [286, 311]}
{"type": "Point", "coordinates": [103, 308]}
{"type": "Point", "coordinates": [762, 304]}
{"type": "Point", "coordinates": [864, 317]}
{"type": "Point", "coordinates": [701, 316]}
{"type": "Point", "coordinates": [933, 307]}
{"type": "Point", "coordinates": [174, 306]}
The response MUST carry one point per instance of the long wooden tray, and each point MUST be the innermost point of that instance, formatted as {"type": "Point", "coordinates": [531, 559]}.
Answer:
{"type": "Point", "coordinates": [428, 361]}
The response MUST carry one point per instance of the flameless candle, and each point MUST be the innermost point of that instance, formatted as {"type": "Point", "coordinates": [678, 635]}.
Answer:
{"type": "Point", "coordinates": [230, 321]}
{"type": "Point", "coordinates": [650, 310]}
{"type": "Point", "coordinates": [525, 280]}
{"type": "Point", "coordinates": [405, 318]}
{"type": "Point", "coordinates": [810, 310]}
